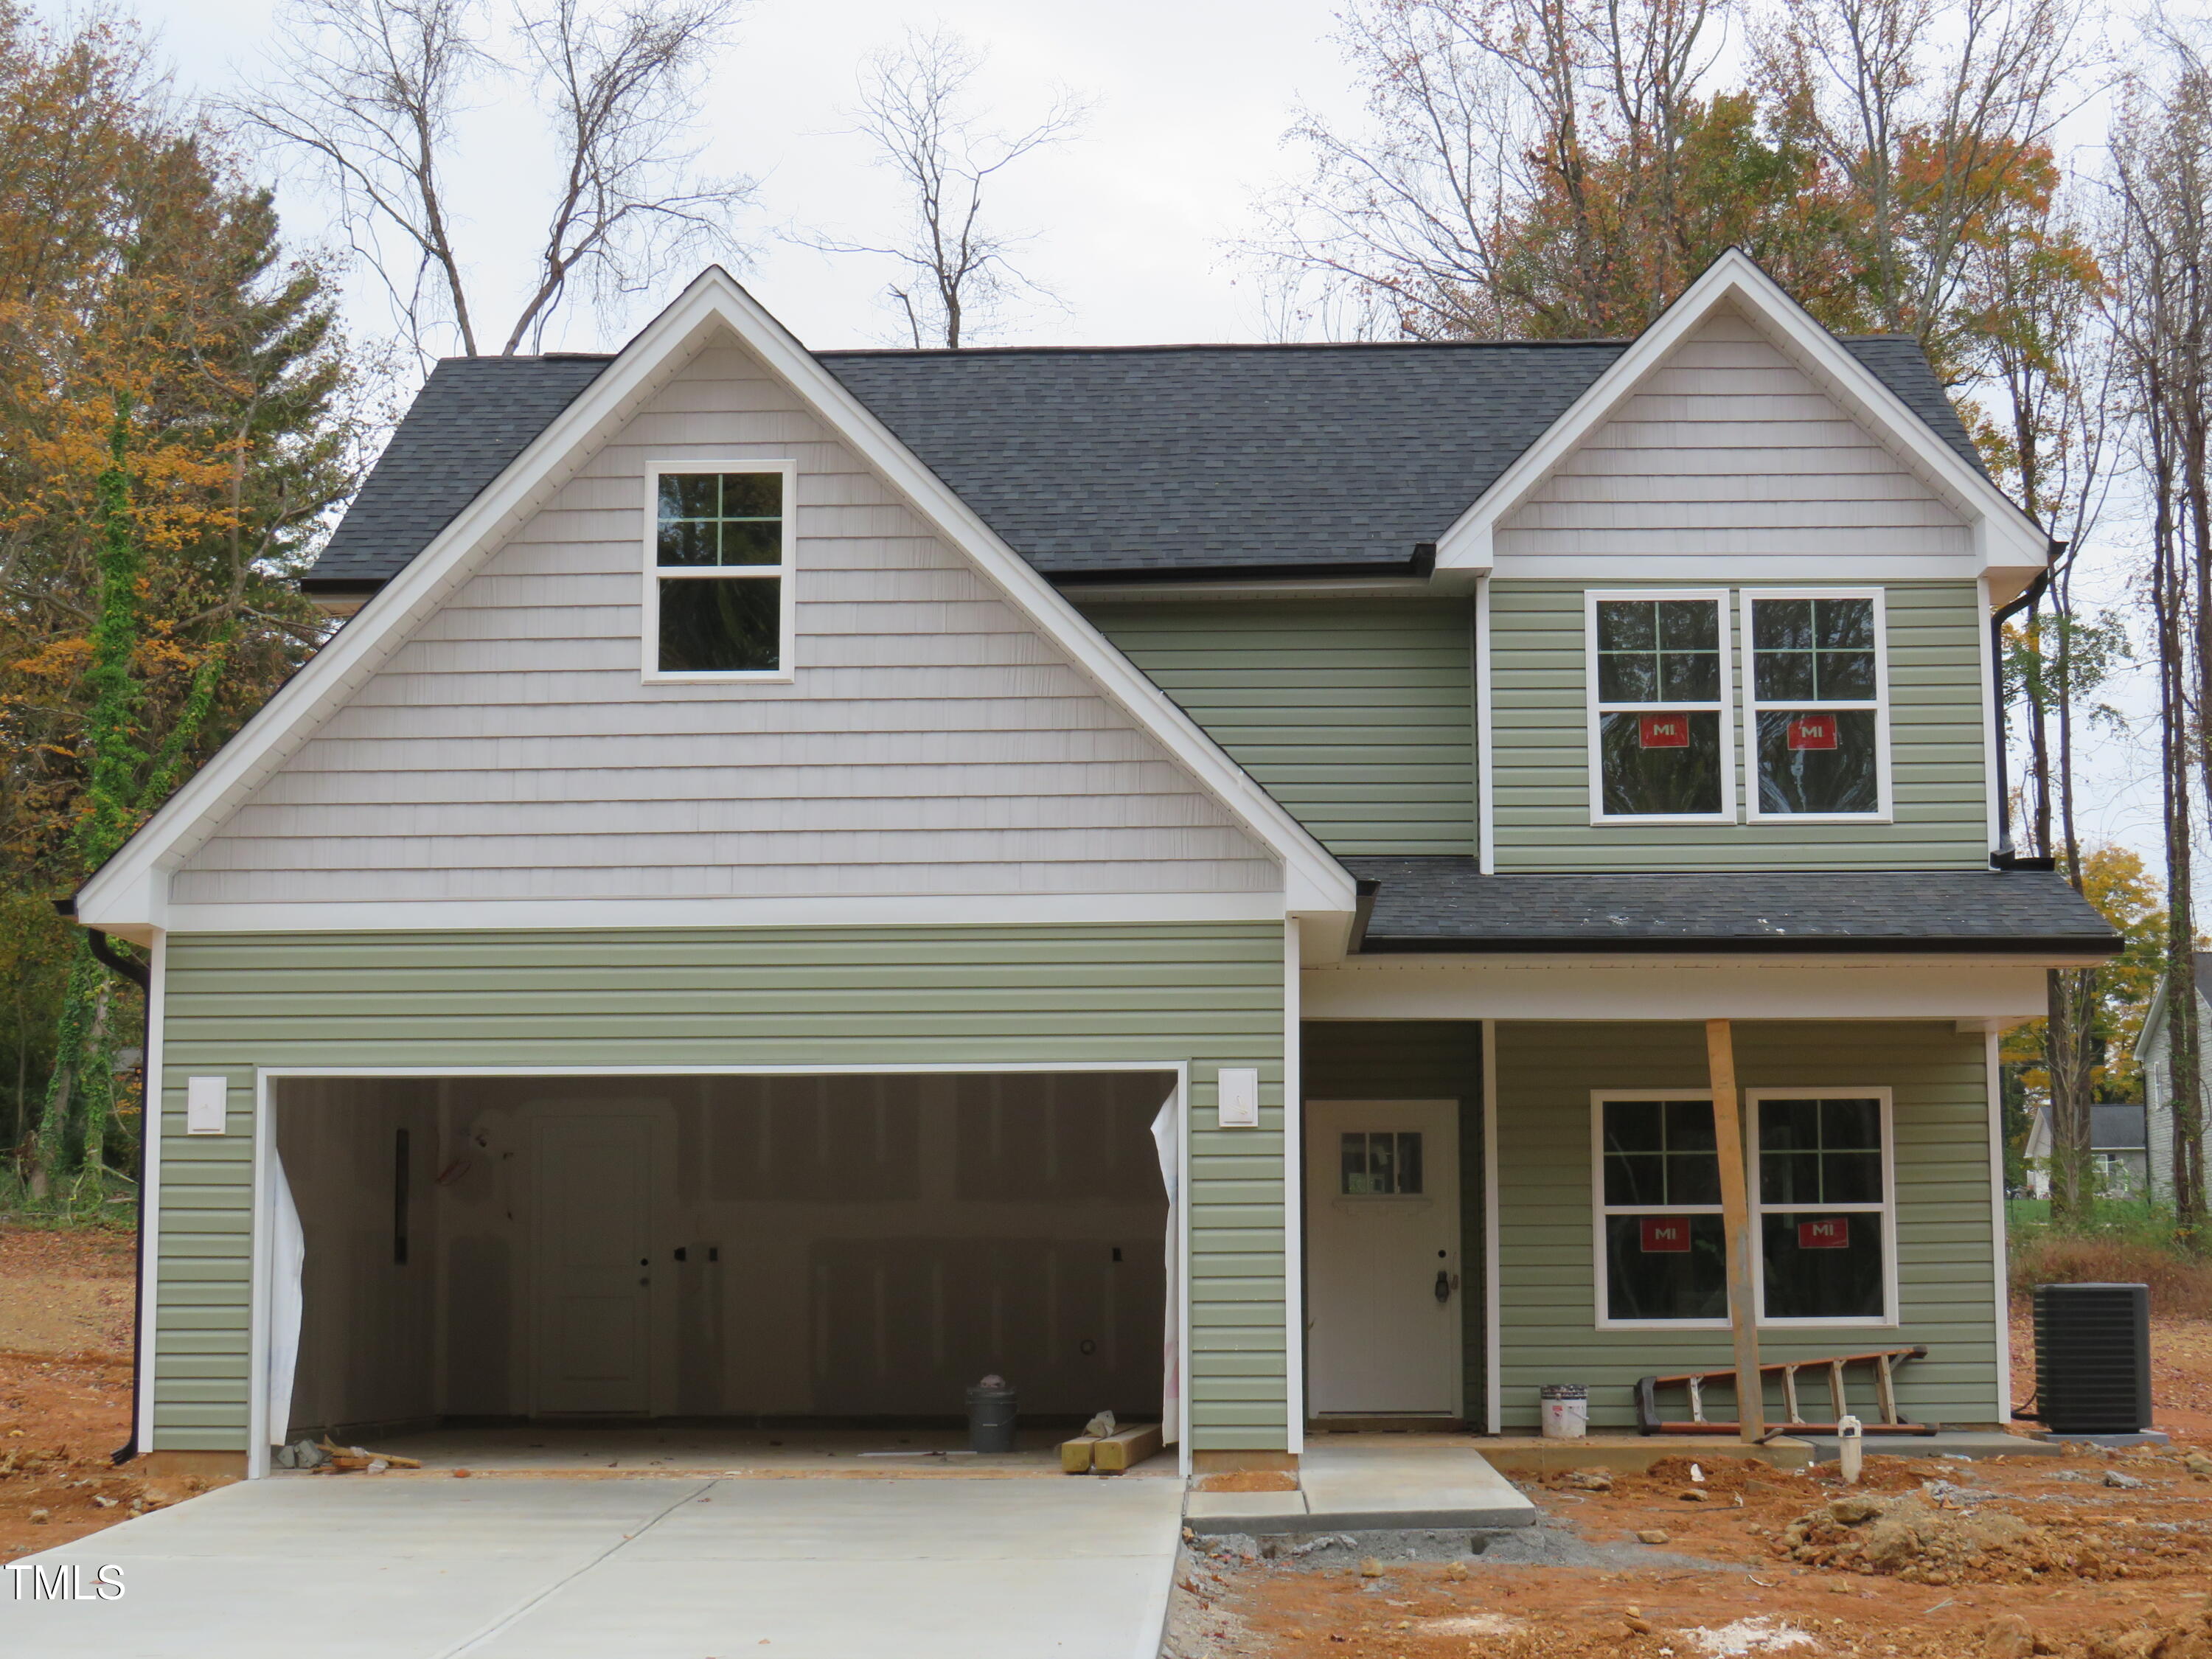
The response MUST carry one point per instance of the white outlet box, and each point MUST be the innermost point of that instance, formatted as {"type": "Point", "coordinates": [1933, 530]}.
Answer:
{"type": "Point", "coordinates": [1238, 1094]}
{"type": "Point", "coordinates": [207, 1105]}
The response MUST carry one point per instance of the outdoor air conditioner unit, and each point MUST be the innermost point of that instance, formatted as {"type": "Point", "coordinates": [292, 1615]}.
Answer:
{"type": "Point", "coordinates": [2093, 1359]}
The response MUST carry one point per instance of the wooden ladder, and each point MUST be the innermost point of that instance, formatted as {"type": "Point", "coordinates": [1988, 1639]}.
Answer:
{"type": "Point", "coordinates": [1883, 1362]}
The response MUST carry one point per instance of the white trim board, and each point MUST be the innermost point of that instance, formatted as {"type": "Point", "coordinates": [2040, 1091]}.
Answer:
{"type": "Point", "coordinates": [1294, 1267]}
{"type": "Point", "coordinates": [827, 910]}
{"type": "Point", "coordinates": [2005, 538]}
{"type": "Point", "coordinates": [131, 891]}
{"type": "Point", "coordinates": [149, 1197]}
{"type": "Point", "coordinates": [1663, 988]}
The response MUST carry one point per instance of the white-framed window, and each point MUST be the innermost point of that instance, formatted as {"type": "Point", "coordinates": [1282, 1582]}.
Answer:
{"type": "Point", "coordinates": [1816, 705]}
{"type": "Point", "coordinates": [720, 540]}
{"type": "Point", "coordinates": [1824, 1203]}
{"type": "Point", "coordinates": [1658, 1243]}
{"type": "Point", "coordinates": [1823, 1208]}
{"type": "Point", "coordinates": [1661, 741]}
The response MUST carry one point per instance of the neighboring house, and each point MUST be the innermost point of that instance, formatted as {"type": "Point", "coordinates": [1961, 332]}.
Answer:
{"type": "Point", "coordinates": [810, 876]}
{"type": "Point", "coordinates": [2119, 1152]}
{"type": "Point", "coordinates": [2153, 1053]}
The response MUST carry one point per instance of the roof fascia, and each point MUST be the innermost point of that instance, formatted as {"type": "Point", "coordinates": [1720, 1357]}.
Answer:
{"type": "Point", "coordinates": [2154, 1022]}
{"type": "Point", "coordinates": [131, 890]}
{"type": "Point", "coordinates": [2004, 536]}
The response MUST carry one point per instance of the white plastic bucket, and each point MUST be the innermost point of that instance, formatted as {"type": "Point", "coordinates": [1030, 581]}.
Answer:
{"type": "Point", "coordinates": [1566, 1410]}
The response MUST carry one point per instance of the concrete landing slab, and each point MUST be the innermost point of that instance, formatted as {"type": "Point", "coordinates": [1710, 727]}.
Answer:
{"type": "Point", "coordinates": [1368, 1487]}
{"type": "Point", "coordinates": [540, 1567]}
{"type": "Point", "coordinates": [1531, 1454]}
{"type": "Point", "coordinates": [1946, 1442]}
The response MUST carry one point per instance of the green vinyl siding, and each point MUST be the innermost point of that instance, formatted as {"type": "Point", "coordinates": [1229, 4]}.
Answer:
{"type": "Point", "coordinates": [1540, 764]}
{"type": "Point", "coordinates": [1204, 995]}
{"type": "Point", "coordinates": [1420, 1059]}
{"type": "Point", "coordinates": [1947, 1267]}
{"type": "Point", "coordinates": [1356, 714]}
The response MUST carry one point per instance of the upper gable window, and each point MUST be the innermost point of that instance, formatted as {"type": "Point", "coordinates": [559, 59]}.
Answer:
{"type": "Point", "coordinates": [718, 571]}
{"type": "Point", "coordinates": [1660, 747]}
{"type": "Point", "coordinates": [1816, 721]}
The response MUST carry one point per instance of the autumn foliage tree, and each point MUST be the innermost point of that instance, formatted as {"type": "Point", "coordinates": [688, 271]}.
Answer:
{"type": "Point", "coordinates": [173, 398]}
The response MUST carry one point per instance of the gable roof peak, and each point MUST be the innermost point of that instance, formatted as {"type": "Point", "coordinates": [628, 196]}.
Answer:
{"type": "Point", "coordinates": [2007, 539]}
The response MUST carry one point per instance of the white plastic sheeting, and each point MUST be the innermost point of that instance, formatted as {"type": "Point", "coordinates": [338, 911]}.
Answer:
{"type": "Point", "coordinates": [288, 1261]}
{"type": "Point", "coordinates": [1165, 1138]}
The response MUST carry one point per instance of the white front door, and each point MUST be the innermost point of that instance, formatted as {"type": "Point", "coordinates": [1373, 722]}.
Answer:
{"type": "Point", "coordinates": [1383, 1267]}
{"type": "Point", "coordinates": [593, 1258]}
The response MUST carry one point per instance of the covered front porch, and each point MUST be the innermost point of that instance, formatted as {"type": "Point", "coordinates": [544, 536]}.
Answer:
{"type": "Point", "coordinates": [1495, 1204]}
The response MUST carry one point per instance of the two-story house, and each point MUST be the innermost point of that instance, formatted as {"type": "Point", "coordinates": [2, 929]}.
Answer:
{"type": "Point", "coordinates": [1194, 878]}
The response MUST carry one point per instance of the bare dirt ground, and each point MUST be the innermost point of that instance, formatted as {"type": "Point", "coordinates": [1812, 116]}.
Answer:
{"type": "Point", "coordinates": [2087, 1557]}
{"type": "Point", "coordinates": [2092, 1558]}
{"type": "Point", "coordinates": [66, 1390]}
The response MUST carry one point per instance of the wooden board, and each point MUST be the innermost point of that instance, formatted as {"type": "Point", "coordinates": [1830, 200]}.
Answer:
{"type": "Point", "coordinates": [1117, 1453]}
{"type": "Point", "coordinates": [1075, 1454]}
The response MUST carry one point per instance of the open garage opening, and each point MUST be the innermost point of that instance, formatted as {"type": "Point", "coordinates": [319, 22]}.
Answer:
{"type": "Point", "coordinates": [538, 1262]}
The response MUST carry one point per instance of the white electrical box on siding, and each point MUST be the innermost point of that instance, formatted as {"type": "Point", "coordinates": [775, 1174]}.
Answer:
{"type": "Point", "coordinates": [207, 1105]}
{"type": "Point", "coordinates": [1238, 1095]}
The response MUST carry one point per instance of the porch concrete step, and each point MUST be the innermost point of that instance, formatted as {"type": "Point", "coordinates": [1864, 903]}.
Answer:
{"type": "Point", "coordinates": [1368, 1488]}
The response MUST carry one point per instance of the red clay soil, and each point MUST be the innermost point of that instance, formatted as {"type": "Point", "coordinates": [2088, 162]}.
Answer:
{"type": "Point", "coordinates": [2100, 1567]}
{"type": "Point", "coordinates": [65, 1390]}
{"type": "Point", "coordinates": [2142, 1558]}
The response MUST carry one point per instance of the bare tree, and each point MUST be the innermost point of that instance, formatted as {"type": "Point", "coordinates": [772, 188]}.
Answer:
{"type": "Point", "coordinates": [916, 109]}
{"type": "Point", "coordinates": [368, 91]}
{"type": "Point", "coordinates": [1938, 116]}
{"type": "Point", "coordinates": [2161, 177]}
{"type": "Point", "coordinates": [1521, 169]}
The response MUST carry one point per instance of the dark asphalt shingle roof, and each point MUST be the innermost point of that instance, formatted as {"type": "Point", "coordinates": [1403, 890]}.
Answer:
{"type": "Point", "coordinates": [472, 416]}
{"type": "Point", "coordinates": [1440, 903]}
{"type": "Point", "coordinates": [1110, 460]}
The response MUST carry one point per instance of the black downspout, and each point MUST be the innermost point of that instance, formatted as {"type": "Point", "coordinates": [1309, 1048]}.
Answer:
{"type": "Point", "coordinates": [137, 973]}
{"type": "Point", "coordinates": [2004, 858]}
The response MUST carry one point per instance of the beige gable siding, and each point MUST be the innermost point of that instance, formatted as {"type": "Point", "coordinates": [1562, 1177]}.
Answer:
{"type": "Point", "coordinates": [1729, 449]}
{"type": "Point", "coordinates": [933, 743]}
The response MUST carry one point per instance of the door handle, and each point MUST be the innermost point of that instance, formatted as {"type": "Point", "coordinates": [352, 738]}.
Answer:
{"type": "Point", "coordinates": [1443, 1285]}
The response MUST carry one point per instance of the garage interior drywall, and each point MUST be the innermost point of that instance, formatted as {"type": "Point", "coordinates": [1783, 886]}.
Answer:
{"type": "Point", "coordinates": [822, 1248]}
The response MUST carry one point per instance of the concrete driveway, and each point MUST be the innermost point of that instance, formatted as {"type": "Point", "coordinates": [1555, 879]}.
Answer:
{"type": "Point", "coordinates": [543, 1568]}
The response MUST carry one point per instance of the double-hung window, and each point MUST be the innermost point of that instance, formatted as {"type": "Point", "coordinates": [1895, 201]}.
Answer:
{"type": "Point", "coordinates": [1660, 1246]}
{"type": "Point", "coordinates": [718, 599]}
{"type": "Point", "coordinates": [1660, 747]}
{"type": "Point", "coordinates": [1816, 720]}
{"type": "Point", "coordinates": [1824, 1206]}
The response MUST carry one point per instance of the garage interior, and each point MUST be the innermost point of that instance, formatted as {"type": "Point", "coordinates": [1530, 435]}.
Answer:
{"type": "Point", "coordinates": [839, 1254]}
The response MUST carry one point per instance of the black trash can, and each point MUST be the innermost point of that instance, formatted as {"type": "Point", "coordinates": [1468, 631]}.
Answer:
{"type": "Point", "coordinates": [991, 1415]}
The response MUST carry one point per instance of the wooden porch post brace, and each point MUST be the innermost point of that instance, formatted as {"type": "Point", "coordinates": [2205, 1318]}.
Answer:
{"type": "Point", "coordinates": [1735, 1227]}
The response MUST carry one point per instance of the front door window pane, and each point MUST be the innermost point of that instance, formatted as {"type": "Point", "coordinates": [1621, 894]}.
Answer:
{"type": "Point", "coordinates": [1380, 1163]}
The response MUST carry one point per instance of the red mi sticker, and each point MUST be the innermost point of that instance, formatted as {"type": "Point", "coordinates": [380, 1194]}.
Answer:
{"type": "Point", "coordinates": [1665, 1235]}
{"type": "Point", "coordinates": [1663, 730]}
{"type": "Point", "coordinates": [1812, 732]}
{"type": "Point", "coordinates": [1832, 1234]}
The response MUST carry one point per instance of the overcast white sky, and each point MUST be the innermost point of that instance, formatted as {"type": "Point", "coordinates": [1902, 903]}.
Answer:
{"type": "Point", "coordinates": [1192, 98]}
